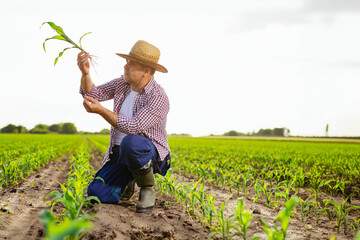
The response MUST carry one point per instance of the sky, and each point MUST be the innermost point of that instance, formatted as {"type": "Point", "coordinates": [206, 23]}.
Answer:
{"type": "Point", "coordinates": [233, 65]}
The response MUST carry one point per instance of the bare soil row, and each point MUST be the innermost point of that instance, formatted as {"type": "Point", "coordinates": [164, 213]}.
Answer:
{"type": "Point", "coordinates": [21, 203]}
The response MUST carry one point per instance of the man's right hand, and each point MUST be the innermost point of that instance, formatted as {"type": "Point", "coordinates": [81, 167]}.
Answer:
{"type": "Point", "coordinates": [83, 62]}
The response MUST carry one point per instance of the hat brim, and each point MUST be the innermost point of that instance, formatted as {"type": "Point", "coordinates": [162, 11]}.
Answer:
{"type": "Point", "coordinates": [156, 66]}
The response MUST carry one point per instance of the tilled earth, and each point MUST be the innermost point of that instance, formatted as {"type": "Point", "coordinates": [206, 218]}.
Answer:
{"type": "Point", "coordinates": [21, 204]}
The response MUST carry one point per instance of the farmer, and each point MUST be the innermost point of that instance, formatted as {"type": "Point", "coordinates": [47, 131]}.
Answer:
{"type": "Point", "coordinates": [138, 141]}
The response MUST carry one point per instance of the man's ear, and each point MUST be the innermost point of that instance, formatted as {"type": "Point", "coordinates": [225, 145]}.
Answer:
{"type": "Point", "coordinates": [148, 70]}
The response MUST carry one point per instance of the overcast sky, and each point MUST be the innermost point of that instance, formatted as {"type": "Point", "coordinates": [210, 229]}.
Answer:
{"type": "Point", "coordinates": [233, 65]}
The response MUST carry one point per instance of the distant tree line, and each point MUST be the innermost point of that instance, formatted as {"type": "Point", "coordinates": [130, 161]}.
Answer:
{"type": "Point", "coordinates": [65, 128]}
{"type": "Point", "coordinates": [62, 128]}
{"type": "Point", "coordinates": [275, 132]}
{"type": "Point", "coordinates": [179, 135]}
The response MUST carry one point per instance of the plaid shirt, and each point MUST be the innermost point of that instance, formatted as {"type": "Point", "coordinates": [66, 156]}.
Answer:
{"type": "Point", "coordinates": [150, 109]}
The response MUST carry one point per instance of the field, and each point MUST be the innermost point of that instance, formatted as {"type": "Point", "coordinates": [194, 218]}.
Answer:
{"type": "Point", "coordinates": [233, 188]}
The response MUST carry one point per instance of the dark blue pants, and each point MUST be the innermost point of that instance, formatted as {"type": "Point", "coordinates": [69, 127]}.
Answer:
{"type": "Point", "coordinates": [133, 153]}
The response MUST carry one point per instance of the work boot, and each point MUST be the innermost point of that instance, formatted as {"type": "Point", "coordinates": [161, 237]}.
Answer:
{"type": "Point", "coordinates": [147, 193]}
{"type": "Point", "coordinates": [128, 192]}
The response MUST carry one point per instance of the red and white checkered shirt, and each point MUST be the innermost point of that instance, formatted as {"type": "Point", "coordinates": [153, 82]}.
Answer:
{"type": "Point", "coordinates": [150, 111]}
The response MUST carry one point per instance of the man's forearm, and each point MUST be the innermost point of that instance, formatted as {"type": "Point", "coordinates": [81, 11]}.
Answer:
{"type": "Point", "coordinates": [109, 116]}
{"type": "Point", "coordinates": [86, 83]}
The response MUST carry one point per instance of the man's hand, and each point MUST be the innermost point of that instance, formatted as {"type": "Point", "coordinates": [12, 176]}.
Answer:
{"type": "Point", "coordinates": [84, 63]}
{"type": "Point", "coordinates": [92, 105]}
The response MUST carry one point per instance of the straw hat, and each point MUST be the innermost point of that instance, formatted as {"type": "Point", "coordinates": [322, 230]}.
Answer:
{"type": "Point", "coordinates": [146, 54]}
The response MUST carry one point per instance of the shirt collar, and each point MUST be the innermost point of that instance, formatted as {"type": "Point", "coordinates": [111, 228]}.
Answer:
{"type": "Point", "coordinates": [148, 86]}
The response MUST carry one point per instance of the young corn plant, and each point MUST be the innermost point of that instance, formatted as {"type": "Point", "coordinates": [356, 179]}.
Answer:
{"type": "Point", "coordinates": [243, 219]}
{"type": "Point", "coordinates": [245, 178]}
{"type": "Point", "coordinates": [63, 37]}
{"type": "Point", "coordinates": [73, 200]}
{"type": "Point", "coordinates": [225, 224]}
{"type": "Point", "coordinates": [284, 218]}
{"type": "Point", "coordinates": [257, 195]}
{"type": "Point", "coordinates": [73, 197]}
{"type": "Point", "coordinates": [201, 196]}
{"type": "Point", "coordinates": [341, 211]}
{"type": "Point", "coordinates": [267, 193]}
{"type": "Point", "coordinates": [69, 228]}
{"type": "Point", "coordinates": [211, 209]}
{"type": "Point", "coordinates": [299, 182]}
{"type": "Point", "coordinates": [305, 207]}
{"type": "Point", "coordinates": [356, 224]}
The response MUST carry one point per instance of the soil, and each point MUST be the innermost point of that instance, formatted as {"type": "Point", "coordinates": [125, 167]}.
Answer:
{"type": "Point", "coordinates": [20, 205]}
{"type": "Point", "coordinates": [309, 228]}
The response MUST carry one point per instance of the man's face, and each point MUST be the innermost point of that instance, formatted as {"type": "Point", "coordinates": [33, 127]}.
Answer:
{"type": "Point", "coordinates": [133, 72]}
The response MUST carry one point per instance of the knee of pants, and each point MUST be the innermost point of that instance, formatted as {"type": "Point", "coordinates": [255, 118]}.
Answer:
{"type": "Point", "coordinates": [136, 151]}
{"type": "Point", "coordinates": [132, 144]}
{"type": "Point", "coordinates": [104, 192]}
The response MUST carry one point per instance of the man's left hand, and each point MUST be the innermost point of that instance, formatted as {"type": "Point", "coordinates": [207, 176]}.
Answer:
{"type": "Point", "coordinates": [92, 105]}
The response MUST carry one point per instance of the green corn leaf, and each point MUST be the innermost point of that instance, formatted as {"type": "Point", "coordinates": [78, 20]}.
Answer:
{"type": "Point", "coordinates": [60, 54]}
{"type": "Point", "coordinates": [58, 37]}
{"type": "Point", "coordinates": [68, 227]}
{"type": "Point", "coordinates": [58, 29]}
{"type": "Point", "coordinates": [357, 236]}
{"type": "Point", "coordinates": [82, 37]}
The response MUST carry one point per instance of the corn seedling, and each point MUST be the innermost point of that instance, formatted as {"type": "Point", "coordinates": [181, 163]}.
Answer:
{"type": "Point", "coordinates": [243, 218]}
{"type": "Point", "coordinates": [341, 210]}
{"type": "Point", "coordinates": [211, 209]}
{"type": "Point", "coordinates": [245, 178]}
{"type": "Point", "coordinates": [257, 195]}
{"type": "Point", "coordinates": [63, 37]}
{"type": "Point", "coordinates": [356, 224]}
{"type": "Point", "coordinates": [225, 224]}
{"type": "Point", "coordinates": [305, 207]}
{"type": "Point", "coordinates": [266, 192]}
{"type": "Point", "coordinates": [284, 218]}
{"type": "Point", "coordinates": [70, 228]}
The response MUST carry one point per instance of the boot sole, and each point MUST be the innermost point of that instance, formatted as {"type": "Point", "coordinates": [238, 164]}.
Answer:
{"type": "Point", "coordinates": [144, 209]}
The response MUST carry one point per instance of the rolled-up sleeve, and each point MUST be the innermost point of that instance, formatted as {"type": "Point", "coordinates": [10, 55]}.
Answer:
{"type": "Point", "coordinates": [102, 92]}
{"type": "Point", "coordinates": [155, 110]}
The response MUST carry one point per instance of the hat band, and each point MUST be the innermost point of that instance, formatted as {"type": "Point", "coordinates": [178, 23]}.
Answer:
{"type": "Point", "coordinates": [133, 55]}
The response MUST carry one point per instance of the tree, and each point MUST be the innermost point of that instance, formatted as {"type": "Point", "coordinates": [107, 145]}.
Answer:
{"type": "Point", "coordinates": [104, 131]}
{"type": "Point", "coordinates": [10, 128]}
{"type": "Point", "coordinates": [231, 133]}
{"type": "Point", "coordinates": [265, 132]}
{"type": "Point", "coordinates": [21, 129]}
{"type": "Point", "coordinates": [55, 128]}
{"type": "Point", "coordinates": [279, 132]}
{"type": "Point", "coordinates": [40, 128]}
{"type": "Point", "coordinates": [68, 128]}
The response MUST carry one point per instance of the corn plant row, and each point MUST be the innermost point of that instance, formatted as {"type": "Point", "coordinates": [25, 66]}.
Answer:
{"type": "Point", "coordinates": [330, 167]}
{"type": "Point", "coordinates": [13, 146]}
{"type": "Point", "coordinates": [201, 205]}
{"type": "Point", "coordinates": [251, 166]}
{"type": "Point", "coordinates": [15, 168]}
{"type": "Point", "coordinates": [73, 221]}
{"type": "Point", "coordinates": [100, 142]}
{"type": "Point", "coordinates": [273, 182]}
